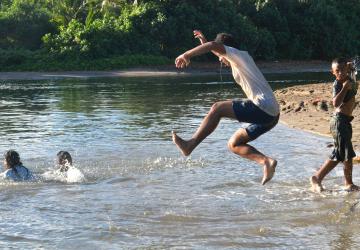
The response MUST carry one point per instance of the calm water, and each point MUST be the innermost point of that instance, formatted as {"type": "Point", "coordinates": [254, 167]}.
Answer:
{"type": "Point", "coordinates": [140, 192]}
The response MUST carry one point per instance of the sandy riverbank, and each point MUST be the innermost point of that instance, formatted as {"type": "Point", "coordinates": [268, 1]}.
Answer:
{"type": "Point", "coordinates": [170, 70]}
{"type": "Point", "coordinates": [309, 107]}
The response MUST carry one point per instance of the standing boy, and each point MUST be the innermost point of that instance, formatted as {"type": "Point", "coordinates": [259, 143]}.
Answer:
{"type": "Point", "coordinates": [344, 91]}
{"type": "Point", "coordinates": [261, 109]}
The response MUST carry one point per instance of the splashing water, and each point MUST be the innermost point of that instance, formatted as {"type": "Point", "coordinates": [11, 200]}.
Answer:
{"type": "Point", "coordinates": [72, 175]}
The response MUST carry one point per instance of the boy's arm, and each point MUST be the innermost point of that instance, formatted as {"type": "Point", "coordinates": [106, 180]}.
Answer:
{"type": "Point", "coordinates": [184, 59]}
{"type": "Point", "coordinates": [339, 98]}
{"type": "Point", "coordinates": [199, 35]}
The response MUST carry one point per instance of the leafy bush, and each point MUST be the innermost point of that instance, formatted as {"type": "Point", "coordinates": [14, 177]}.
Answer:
{"type": "Point", "coordinates": [14, 57]}
{"type": "Point", "coordinates": [26, 60]}
{"type": "Point", "coordinates": [23, 24]}
{"type": "Point", "coordinates": [99, 34]}
{"type": "Point", "coordinates": [108, 36]}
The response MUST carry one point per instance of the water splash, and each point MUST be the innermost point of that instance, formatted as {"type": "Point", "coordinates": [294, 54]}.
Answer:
{"type": "Point", "coordinates": [72, 175]}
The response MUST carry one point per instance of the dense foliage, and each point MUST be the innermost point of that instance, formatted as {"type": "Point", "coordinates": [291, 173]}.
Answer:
{"type": "Point", "coordinates": [105, 34]}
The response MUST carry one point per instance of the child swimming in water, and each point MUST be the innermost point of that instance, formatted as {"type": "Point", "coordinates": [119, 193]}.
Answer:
{"type": "Point", "coordinates": [66, 170]}
{"type": "Point", "coordinates": [15, 170]}
{"type": "Point", "coordinates": [64, 160]}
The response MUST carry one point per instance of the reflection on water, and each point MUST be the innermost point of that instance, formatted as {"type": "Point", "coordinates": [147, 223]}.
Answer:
{"type": "Point", "coordinates": [139, 191]}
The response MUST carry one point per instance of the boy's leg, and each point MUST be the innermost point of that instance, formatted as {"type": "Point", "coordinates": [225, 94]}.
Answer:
{"type": "Point", "coordinates": [238, 145]}
{"type": "Point", "coordinates": [316, 179]}
{"type": "Point", "coordinates": [208, 125]}
{"type": "Point", "coordinates": [348, 168]}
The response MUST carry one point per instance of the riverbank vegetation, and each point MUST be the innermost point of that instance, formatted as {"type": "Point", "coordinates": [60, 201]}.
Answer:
{"type": "Point", "coordinates": [113, 34]}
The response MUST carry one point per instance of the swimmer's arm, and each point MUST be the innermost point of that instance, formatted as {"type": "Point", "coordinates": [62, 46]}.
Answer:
{"type": "Point", "coordinates": [339, 98]}
{"type": "Point", "coordinates": [184, 59]}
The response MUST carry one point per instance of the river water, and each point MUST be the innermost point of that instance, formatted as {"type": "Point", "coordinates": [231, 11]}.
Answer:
{"type": "Point", "coordinates": [140, 192]}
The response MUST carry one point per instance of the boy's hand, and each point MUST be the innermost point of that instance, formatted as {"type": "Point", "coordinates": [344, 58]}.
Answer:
{"type": "Point", "coordinates": [199, 35]}
{"type": "Point", "coordinates": [182, 61]}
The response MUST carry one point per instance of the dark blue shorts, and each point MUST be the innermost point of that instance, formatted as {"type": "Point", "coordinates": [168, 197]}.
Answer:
{"type": "Point", "coordinates": [260, 122]}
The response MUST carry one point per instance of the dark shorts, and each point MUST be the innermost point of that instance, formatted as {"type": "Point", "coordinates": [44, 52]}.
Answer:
{"type": "Point", "coordinates": [260, 122]}
{"type": "Point", "coordinates": [341, 130]}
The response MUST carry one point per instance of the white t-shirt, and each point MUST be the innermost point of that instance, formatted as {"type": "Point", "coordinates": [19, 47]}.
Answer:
{"type": "Point", "coordinates": [251, 80]}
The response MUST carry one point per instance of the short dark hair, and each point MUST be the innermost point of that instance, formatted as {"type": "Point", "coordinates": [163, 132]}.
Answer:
{"type": "Point", "coordinates": [64, 156]}
{"type": "Point", "coordinates": [226, 39]}
{"type": "Point", "coordinates": [12, 158]}
{"type": "Point", "coordinates": [340, 61]}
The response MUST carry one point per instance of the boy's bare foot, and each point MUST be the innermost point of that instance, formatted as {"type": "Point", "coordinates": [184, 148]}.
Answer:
{"type": "Point", "coordinates": [351, 188]}
{"type": "Point", "coordinates": [316, 184]}
{"type": "Point", "coordinates": [185, 146]}
{"type": "Point", "coordinates": [269, 170]}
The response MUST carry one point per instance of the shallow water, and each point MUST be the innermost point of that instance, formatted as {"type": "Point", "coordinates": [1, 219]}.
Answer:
{"type": "Point", "coordinates": [140, 192]}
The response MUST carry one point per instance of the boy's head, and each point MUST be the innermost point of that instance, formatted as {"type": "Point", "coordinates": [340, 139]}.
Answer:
{"type": "Point", "coordinates": [226, 39]}
{"type": "Point", "coordinates": [11, 159]}
{"type": "Point", "coordinates": [64, 158]}
{"type": "Point", "coordinates": [340, 68]}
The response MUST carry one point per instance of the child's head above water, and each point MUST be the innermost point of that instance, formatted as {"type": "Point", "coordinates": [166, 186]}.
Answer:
{"type": "Point", "coordinates": [11, 159]}
{"type": "Point", "coordinates": [64, 160]}
{"type": "Point", "coordinates": [227, 40]}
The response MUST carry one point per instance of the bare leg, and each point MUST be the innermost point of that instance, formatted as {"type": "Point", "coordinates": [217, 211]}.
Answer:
{"type": "Point", "coordinates": [238, 145]}
{"type": "Point", "coordinates": [349, 185]}
{"type": "Point", "coordinates": [208, 125]}
{"type": "Point", "coordinates": [316, 179]}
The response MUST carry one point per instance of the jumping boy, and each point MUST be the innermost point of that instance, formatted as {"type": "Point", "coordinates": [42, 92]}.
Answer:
{"type": "Point", "coordinates": [261, 109]}
{"type": "Point", "coordinates": [344, 91]}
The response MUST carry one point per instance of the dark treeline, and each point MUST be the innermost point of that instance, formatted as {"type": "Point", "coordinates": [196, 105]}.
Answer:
{"type": "Point", "coordinates": [105, 34]}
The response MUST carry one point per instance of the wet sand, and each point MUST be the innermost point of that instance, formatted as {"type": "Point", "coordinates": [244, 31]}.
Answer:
{"type": "Point", "coordinates": [309, 107]}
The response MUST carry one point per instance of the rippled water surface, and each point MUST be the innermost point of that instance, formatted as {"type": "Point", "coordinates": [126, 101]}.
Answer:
{"type": "Point", "coordinates": [140, 192]}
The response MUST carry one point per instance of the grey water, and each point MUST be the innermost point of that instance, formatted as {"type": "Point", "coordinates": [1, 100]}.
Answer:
{"type": "Point", "coordinates": [140, 192]}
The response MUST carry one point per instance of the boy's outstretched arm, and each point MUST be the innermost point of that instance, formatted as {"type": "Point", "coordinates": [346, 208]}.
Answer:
{"type": "Point", "coordinates": [184, 59]}
{"type": "Point", "coordinates": [199, 35]}
{"type": "Point", "coordinates": [339, 98]}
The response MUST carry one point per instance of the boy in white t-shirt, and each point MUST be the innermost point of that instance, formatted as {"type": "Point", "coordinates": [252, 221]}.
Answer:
{"type": "Point", "coordinates": [261, 109]}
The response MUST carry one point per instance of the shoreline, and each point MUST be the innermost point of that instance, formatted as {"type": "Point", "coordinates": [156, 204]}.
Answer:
{"type": "Point", "coordinates": [303, 129]}
{"type": "Point", "coordinates": [309, 108]}
{"type": "Point", "coordinates": [195, 69]}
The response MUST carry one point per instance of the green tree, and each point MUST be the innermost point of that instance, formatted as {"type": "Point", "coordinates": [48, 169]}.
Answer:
{"type": "Point", "coordinates": [114, 32]}
{"type": "Point", "coordinates": [23, 24]}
